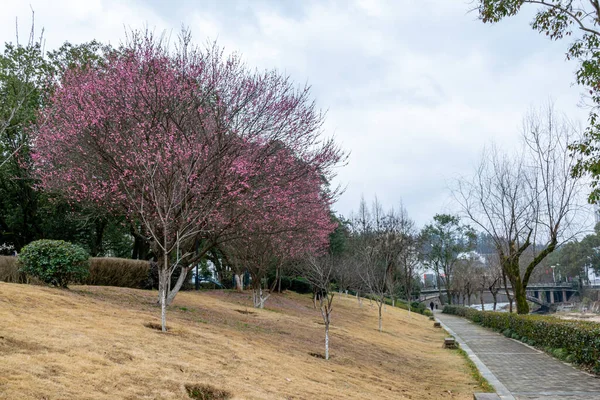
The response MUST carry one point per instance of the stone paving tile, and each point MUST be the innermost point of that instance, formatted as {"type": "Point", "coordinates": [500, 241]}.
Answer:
{"type": "Point", "coordinates": [526, 372]}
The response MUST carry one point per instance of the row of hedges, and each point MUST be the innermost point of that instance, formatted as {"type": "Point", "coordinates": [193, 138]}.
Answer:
{"type": "Point", "coordinates": [102, 272]}
{"type": "Point", "coordinates": [570, 340]}
{"type": "Point", "coordinates": [414, 307]}
{"type": "Point", "coordinates": [119, 272]}
{"type": "Point", "coordinates": [9, 271]}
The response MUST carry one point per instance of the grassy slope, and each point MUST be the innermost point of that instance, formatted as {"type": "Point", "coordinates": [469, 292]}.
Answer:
{"type": "Point", "coordinates": [91, 343]}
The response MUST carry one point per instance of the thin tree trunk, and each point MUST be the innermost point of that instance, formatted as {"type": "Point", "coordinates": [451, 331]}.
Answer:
{"type": "Point", "coordinates": [163, 277]}
{"type": "Point", "coordinates": [238, 283]}
{"type": "Point", "coordinates": [163, 309]}
{"type": "Point", "coordinates": [439, 288]}
{"type": "Point", "coordinates": [481, 299]}
{"type": "Point", "coordinates": [510, 308]}
{"type": "Point", "coordinates": [380, 305]}
{"type": "Point", "coordinates": [180, 281]}
{"type": "Point", "coordinates": [327, 340]}
{"type": "Point", "coordinates": [279, 280]}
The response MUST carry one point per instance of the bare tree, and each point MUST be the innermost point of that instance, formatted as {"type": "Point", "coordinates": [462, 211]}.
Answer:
{"type": "Point", "coordinates": [493, 273]}
{"type": "Point", "coordinates": [528, 199]}
{"type": "Point", "coordinates": [409, 254]}
{"type": "Point", "coordinates": [319, 272]}
{"type": "Point", "coordinates": [374, 276]}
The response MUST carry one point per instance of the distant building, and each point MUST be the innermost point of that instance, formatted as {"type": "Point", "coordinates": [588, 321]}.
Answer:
{"type": "Point", "coordinates": [429, 280]}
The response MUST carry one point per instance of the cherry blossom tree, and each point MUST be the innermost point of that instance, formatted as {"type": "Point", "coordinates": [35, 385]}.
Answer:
{"type": "Point", "coordinates": [279, 231]}
{"type": "Point", "coordinates": [177, 139]}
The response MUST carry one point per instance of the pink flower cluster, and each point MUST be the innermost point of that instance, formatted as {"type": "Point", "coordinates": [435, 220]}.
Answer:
{"type": "Point", "coordinates": [192, 144]}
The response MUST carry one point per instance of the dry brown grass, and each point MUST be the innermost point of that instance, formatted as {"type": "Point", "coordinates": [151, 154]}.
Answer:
{"type": "Point", "coordinates": [93, 343]}
{"type": "Point", "coordinates": [9, 271]}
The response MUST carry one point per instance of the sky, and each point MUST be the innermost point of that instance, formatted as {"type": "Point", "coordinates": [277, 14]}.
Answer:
{"type": "Point", "coordinates": [413, 89]}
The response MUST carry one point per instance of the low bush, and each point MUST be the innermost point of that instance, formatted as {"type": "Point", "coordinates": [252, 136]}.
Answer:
{"type": "Point", "coordinates": [54, 262]}
{"type": "Point", "coordinates": [300, 285]}
{"type": "Point", "coordinates": [414, 307]}
{"type": "Point", "coordinates": [578, 341]}
{"type": "Point", "coordinates": [122, 272]}
{"type": "Point", "coordinates": [286, 282]}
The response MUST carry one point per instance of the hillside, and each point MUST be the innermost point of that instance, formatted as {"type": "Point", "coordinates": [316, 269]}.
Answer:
{"type": "Point", "coordinates": [93, 343]}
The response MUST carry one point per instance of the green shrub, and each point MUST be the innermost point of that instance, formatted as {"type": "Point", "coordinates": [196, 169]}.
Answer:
{"type": "Point", "coordinates": [560, 353]}
{"type": "Point", "coordinates": [54, 262]}
{"type": "Point", "coordinates": [414, 307]}
{"type": "Point", "coordinates": [301, 285]}
{"type": "Point", "coordinates": [507, 333]}
{"type": "Point", "coordinates": [286, 282]}
{"type": "Point", "coordinates": [578, 341]}
{"type": "Point", "coordinates": [122, 272]}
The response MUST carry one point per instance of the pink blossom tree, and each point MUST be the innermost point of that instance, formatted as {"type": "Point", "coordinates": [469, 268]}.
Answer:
{"type": "Point", "coordinates": [288, 221]}
{"type": "Point", "coordinates": [178, 140]}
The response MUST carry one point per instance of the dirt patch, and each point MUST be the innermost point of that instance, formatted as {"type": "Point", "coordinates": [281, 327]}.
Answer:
{"type": "Point", "coordinates": [246, 312]}
{"type": "Point", "coordinates": [155, 326]}
{"type": "Point", "coordinates": [206, 392]}
{"type": "Point", "coordinates": [10, 345]}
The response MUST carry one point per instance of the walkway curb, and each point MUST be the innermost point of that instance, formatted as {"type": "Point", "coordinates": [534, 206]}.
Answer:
{"type": "Point", "coordinates": [501, 390]}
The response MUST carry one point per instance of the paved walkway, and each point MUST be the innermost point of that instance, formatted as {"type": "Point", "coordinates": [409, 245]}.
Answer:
{"type": "Point", "coordinates": [515, 369]}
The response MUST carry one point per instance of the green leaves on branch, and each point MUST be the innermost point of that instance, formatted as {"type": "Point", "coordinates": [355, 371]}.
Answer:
{"type": "Point", "coordinates": [581, 20]}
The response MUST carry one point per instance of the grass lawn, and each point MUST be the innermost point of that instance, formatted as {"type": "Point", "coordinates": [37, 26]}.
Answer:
{"type": "Point", "coordinates": [94, 342]}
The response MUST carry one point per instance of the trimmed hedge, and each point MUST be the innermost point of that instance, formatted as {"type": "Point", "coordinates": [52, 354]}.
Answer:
{"type": "Point", "coordinates": [570, 340]}
{"type": "Point", "coordinates": [9, 270]}
{"type": "Point", "coordinates": [103, 271]}
{"type": "Point", "coordinates": [414, 307]}
{"type": "Point", "coordinates": [121, 272]}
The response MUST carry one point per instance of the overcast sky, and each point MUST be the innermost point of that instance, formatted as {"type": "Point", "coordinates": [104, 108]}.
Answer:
{"type": "Point", "coordinates": [414, 88]}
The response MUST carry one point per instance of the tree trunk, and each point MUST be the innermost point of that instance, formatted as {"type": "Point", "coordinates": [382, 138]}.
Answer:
{"type": "Point", "coordinates": [521, 299]}
{"type": "Point", "coordinates": [97, 249]}
{"type": "Point", "coordinates": [380, 305]}
{"type": "Point", "coordinates": [481, 300]}
{"type": "Point", "coordinates": [163, 277]}
{"type": "Point", "coordinates": [327, 340]}
{"type": "Point", "coordinates": [180, 281]}
{"type": "Point", "coordinates": [279, 282]}
{"type": "Point", "coordinates": [439, 288]}
{"type": "Point", "coordinates": [257, 295]}
{"type": "Point", "coordinates": [507, 292]}
{"type": "Point", "coordinates": [163, 308]}
{"type": "Point", "coordinates": [238, 283]}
